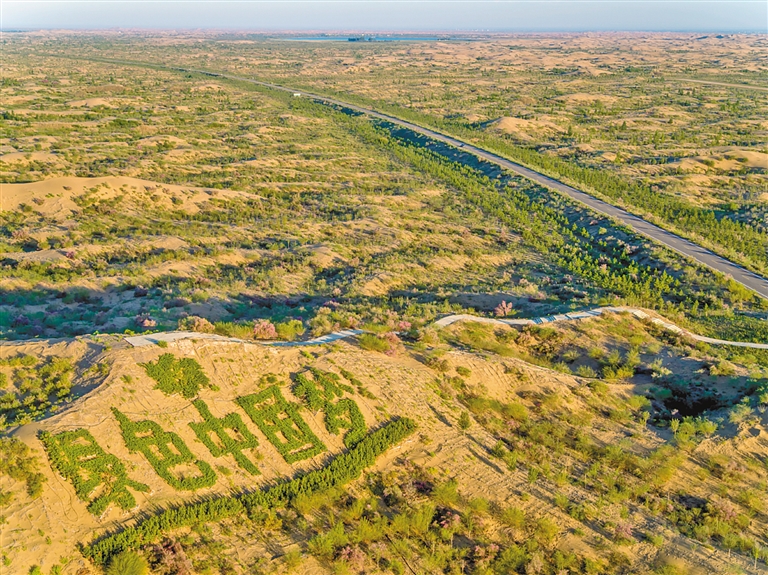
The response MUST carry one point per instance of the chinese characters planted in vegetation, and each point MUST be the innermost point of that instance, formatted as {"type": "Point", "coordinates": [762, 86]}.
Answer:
{"type": "Point", "coordinates": [77, 456]}
{"type": "Point", "coordinates": [280, 421]}
{"type": "Point", "coordinates": [165, 450]}
{"type": "Point", "coordinates": [227, 444]}
{"type": "Point", "coordinates": [184, 376]}
{"type": "Point", "coordinates": [321, 392]}
{"type": "Point", "coordinates": [341, 470]}
{"type": "Point", "coordinates": [100, 478]}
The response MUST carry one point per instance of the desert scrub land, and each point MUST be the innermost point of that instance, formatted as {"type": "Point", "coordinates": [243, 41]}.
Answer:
{"type": "Point", "coordinates": [649, 121]}
{"type": "Point", "coordinates": [173, 200]}
{"type": "Point", "coordinates": [472, 450]}
{"type": "Point", "coordinates": [138, 199]}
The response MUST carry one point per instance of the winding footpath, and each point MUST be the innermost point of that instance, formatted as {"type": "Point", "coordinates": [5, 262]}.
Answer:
{"type": "Point", "coordinates": [170, 336]}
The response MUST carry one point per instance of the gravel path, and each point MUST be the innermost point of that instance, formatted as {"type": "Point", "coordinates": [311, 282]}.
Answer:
{"type": "Point", "coordinates": [169, 336]}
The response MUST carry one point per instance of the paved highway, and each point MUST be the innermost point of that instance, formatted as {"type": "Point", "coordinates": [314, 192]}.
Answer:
{"type": "Point", "coordinates": [748, 279]}
{"type": "Point", "coordinates": [754, 282]}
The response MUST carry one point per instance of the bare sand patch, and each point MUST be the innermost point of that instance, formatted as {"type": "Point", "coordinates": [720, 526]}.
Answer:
{"type": "Point", "coordinates": [160, 138]}
{"type": "Point", "coordinates": [523, 127]}
{"type": "Point", "coordinates": [751, 159]}
{"type": "Point", "coordinates": [18, 157]}
{"type": "Point", "coordinates": [55, 197]}
{"type": "Point", "coordinates": [583, 98]}
{"type": "Point", "coordinates": [207, 87]}
{"type": "Point", "coordinates": [92, 103]}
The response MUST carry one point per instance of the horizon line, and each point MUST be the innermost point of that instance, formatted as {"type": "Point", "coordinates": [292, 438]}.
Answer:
{"type": "Point", "coordinates": [403, 31]}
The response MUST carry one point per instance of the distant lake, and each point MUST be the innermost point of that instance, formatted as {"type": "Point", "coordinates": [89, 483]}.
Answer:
{"type": "Point", "coordinates": [372, 38]}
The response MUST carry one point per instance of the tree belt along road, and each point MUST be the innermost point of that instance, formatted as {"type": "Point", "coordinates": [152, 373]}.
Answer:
{"type": "Point", "coordinates": [748, 279]}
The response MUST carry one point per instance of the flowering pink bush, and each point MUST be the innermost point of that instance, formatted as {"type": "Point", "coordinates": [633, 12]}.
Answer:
{"type": "Point", "coordinates": [196, 323]}
{"type": "Point", "coordinates": [403, 325]}
{"type": "Point", "coordinates": [723, 509]}
{"type": "Point", "coordinates": [504, 309]}
{"type": "Point", "coordinates": [264, 329]}
{"type": "Point", "coordinates": [623, 532]}
{"type": "Point", "coordinates": [394, 342]}
{"type": "Point", "coordinates": [512, 425]}
{"type": "Point", "coordinates": [143, 320]}
{"type": "Point", "coordinates": [450, 521]}
{"type": "Point", "coordinates": [354, 556]}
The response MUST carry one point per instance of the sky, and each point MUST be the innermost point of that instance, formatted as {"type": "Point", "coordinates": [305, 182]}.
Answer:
{"type": "Point", "coordinates": [390, 15]}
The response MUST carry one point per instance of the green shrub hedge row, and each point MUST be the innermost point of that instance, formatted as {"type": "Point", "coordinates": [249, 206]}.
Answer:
{"type": "Point", "coordinates": [169, 451]}
{"type": "Point", "coordinates": [342, 414]}
{"type": "Point", "coordinates": [77, 457]}
{"type": "Point", "coordinates": [341, 470]}
{"type": "Point", "coordinates": [289, 434]}
{"type": "Point", "coordinates": [231, 446]}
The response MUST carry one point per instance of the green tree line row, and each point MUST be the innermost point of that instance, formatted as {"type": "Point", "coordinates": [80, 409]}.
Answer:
{"type": "Point", "coordinates": [736, 240]}
{"type": "Point", "coordinates": [343, 469]}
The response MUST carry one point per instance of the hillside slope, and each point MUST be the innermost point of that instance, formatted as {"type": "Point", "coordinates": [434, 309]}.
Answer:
{"type": "Point", "coordinates": [552, 465]}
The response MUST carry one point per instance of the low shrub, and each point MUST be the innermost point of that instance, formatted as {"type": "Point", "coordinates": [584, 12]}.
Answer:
{"type": "Point", "coordinates": [290, 330]}
{"type": "Point", "coordinates": [371, 342]}
{"type": "Point", "coordinates": [128, 563]}
{"type": "Point", "coordinates": [236, 330]}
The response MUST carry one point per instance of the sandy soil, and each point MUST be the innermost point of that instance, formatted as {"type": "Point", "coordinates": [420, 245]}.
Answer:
{"type": "Point", "coordinates": [401, 385]}
{"type": "Point", "coordinates": [55, 197]}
